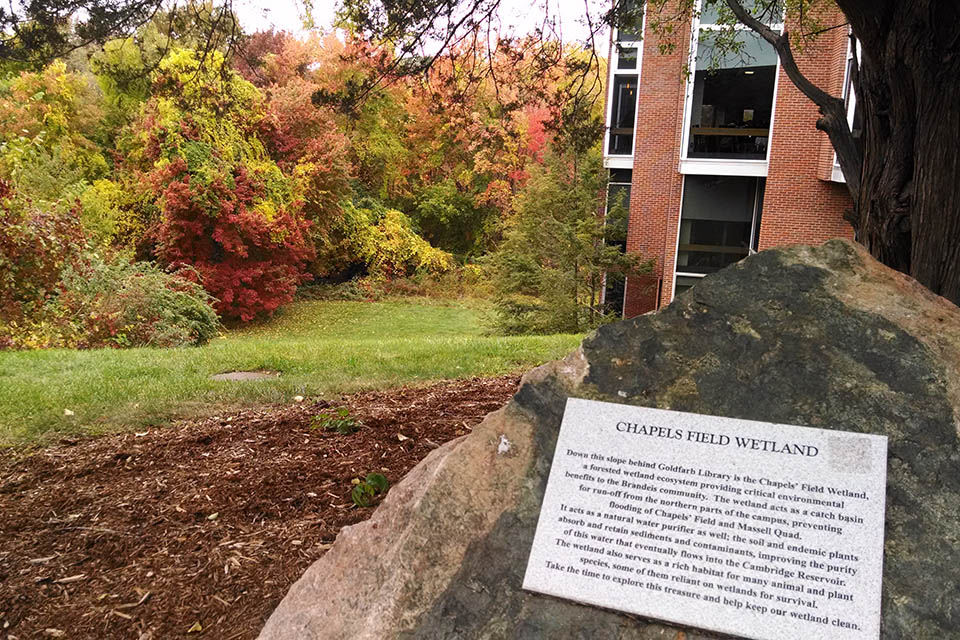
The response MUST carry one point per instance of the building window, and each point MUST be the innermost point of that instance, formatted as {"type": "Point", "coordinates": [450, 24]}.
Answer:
{"type": "Point", "coordinates": [615, 234]}
{"type": "Point", "coordinates": [684, 283]}
{"type": "Point", "coordinates": [719, 224]}
{"type": "Point", "coordinates": [630, 23]}
{"type": "Point", "coordinates": [623, 114]}
{"type": "Point", "coordinates": [853, 115]}
{"type": "Point", "coordinates": [626, 57]}
{"type": "Point", "coordinates": [769, 13]}
{"type": "Point", "coordinates": [731, 95]}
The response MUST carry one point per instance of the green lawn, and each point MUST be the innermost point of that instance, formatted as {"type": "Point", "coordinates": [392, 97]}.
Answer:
{"type": "Point", "coordinates": [320, 348]}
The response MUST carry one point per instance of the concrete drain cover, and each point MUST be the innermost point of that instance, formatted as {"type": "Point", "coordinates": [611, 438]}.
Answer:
{"type": "Point", "coordinates": [246, 375]}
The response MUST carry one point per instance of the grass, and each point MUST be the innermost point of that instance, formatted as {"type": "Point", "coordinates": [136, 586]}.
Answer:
{"type": "Point", "coordinates": [320, 348]}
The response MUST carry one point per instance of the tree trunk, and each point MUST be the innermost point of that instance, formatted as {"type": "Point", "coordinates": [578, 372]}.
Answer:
{"type": "Point", "coordinates": [908, 93]}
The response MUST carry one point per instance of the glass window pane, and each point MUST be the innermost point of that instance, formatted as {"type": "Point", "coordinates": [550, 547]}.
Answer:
{"type": "Point", "coordinates": [618, 213]}
{"type": "Point", "coordinates": [770, 12]}
{"type": "Point", "coordinates": [626, 58]}
{"type": "Point", "coordinates": [741, 50]}
{"type": "Point", "coordinates": [623, 114]}
{"type": "Point", "coordinates": [629, 21]}
{"type": "Point", "coordinates": [717, 218]}
{"type": "Point", "coordinates": [684, 283]}
{"type": "Point", "coordinates": [732, 98]}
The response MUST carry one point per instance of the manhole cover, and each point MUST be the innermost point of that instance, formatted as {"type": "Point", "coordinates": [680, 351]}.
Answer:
{"type": "Point", "coordinates": [246, 375]}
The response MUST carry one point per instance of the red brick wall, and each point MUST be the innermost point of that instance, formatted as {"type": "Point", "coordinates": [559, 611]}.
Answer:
{"type": "Point", "coordinates": [800, 205]}
{"type": "Point", "coordinates": [655, 194]}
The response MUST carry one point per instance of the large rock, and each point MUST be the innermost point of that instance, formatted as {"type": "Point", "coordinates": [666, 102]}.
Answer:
{"type": "Point", "coordinates": [823, 337]}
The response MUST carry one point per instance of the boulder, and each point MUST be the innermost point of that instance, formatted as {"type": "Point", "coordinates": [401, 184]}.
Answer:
{"type": "Point", "coordinates": [823, 337]}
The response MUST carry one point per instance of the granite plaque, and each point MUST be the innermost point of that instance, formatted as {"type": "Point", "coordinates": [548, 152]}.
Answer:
{"type": "Point", "coordinates": [758, 530]}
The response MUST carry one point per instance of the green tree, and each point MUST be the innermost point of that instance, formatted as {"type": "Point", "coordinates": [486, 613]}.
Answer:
{"type": "Point", "coordinates": [549, 271]}
{"type": "Point", "coordinates": [38, 32]}
{"type": "Point", "coordinates": [47, 122]}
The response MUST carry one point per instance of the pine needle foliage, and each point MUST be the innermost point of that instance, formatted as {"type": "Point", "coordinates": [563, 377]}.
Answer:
{"type": "Point", "coordinates": [548, 274]}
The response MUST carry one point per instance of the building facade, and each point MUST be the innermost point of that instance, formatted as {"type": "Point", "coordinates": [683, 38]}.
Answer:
{"type": "Point", "coordinates": [717, 156]}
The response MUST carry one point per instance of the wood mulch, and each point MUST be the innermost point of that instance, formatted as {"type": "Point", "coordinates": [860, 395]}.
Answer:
{"type": "Point", "coordinates": [199, 529]}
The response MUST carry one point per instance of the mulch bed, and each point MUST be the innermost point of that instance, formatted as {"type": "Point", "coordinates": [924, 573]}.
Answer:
{"type": "Point", "coordinates": [200, 528]}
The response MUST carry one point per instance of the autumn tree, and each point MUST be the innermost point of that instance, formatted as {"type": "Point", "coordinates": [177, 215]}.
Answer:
{"type": "Point", "coordinates": [212, 198]}
{"type": "Point", "coordinates": [472, 138]}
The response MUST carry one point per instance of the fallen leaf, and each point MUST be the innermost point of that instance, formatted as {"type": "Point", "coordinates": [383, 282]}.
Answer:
{"type": "Point", "coordinates": [213, 516]}
{"type": "Point", "coordinates": [196, 628]}
{"type": "Point", "coordinates": [402, 437]}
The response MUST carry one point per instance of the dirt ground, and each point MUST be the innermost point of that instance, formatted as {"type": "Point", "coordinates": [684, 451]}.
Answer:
{"type": "Point", "coordinates": [198, 529]}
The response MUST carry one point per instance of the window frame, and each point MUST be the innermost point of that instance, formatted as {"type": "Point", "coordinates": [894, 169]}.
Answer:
{"type": "Point", "coordinates": [754, 229]}
{"type": "Point", "coordinates": [617, 160]}
{"type": "Point", "coordinates": [720, 166]}
{"type": "Point", "coordinates": [850, 100]}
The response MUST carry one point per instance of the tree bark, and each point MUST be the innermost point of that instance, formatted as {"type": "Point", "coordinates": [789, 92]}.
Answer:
{"type": "Point", "coordinates": [909, 93]}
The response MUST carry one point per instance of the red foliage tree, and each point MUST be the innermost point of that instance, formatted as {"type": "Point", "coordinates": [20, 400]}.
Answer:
{"type": "Point", "coordinates": [251, 262]}
{"type": "Point", "coordinates": [35, 247]}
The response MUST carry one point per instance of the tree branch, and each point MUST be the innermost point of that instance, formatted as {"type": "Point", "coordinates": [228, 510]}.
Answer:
{"type": "Point", "coordinates": [833, 112]}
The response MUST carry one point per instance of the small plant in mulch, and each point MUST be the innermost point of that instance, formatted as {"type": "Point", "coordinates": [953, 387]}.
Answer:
{"type": "Point", "coordinates": [340, 421]}
{"type": "Point", "coordinates": [366, 490]}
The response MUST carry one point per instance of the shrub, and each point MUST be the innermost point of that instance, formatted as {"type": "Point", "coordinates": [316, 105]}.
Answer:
{"type": "Point", "coordinates": [35, 247]}
{"type": "Point", "coordinates": [115, 303]}
{"type": "Point", "coordinates": [250, 257]}
{"type": "Point", "coordinates": [122, 304]}
{"type": "Point", "coordinates": [364, 491]}
{"type": "Point", "coordinates": [340, 421]}
{"type": "Point", "coordinates": [55, 292]}
{"type": "Point", "coordinates": [384, 241]}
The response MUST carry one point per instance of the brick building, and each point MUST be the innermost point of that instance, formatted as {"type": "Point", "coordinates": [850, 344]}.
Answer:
{"type": "Point", "coordinates": [718, 162]}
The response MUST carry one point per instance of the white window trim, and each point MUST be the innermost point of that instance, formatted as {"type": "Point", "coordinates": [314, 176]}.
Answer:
{"type": "Point", "coordinates": [836, 174]}
{"type": "Point", "coordinates": [724, 167]}
{"type": "Point", "coordinates": [673, 294]}
{"type": "Point", "coordinates": [618, 162]}
{"type": "Point", "coordinates": [676, 244]}
{"type": "Point", "coordinates": [720, 166]}
{"type": "Point", "coordinates": [615, 161]}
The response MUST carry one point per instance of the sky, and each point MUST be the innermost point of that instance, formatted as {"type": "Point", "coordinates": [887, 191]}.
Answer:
{"type": "Point", "coordinates": [256, 15]}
